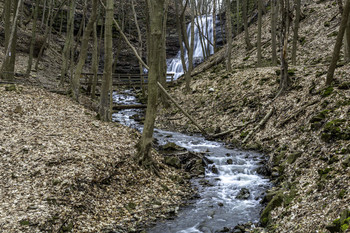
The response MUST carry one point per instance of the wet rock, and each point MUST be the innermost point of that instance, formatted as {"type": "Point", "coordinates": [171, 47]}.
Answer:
{"type": "Point", "coordinates": [214, 169]}
{"type": "Point", "coordinates": [243, 194]}
{"type": "Point", "coordinates": [225, 229]}
{"type": "Point", "coordinates": [229, 161]}
{"type": "Point", "coordinates": [207, 161]}
{"type": "Point", "coordinates": [172, 161]}
{"type": "Point", "coordinates": [264, 171]}
{"type": "Point", "coordinates": [170, 146]}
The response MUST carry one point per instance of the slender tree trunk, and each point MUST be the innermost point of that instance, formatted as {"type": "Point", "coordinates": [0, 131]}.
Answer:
{"type": "Point", "coordinates": [259, 31]}
{"type": "Point", "coordinates": [296, 29]}
{"type": "Point", "coordinates": [8, 65]}
{"type": "Point", "coordinates": [33, 39]}
{"type": "Point", "coordinates": [338, 43]}
{"type": "Point", "coordinates": [190, 51]}
{"type": "Point", "coordinates": [245, 21]}
{"type": "Point", "coordinates": [214, 26]}
{"type": "Point", "coordinates": [238, 18]}
{"type": "Point", "coordinates": [83, 51]}
{"type": "Point", "coordinates": [162, 77]}
{"type": "Point", "coordinates": [140, 47]}
{"type": "Point", "coordinates": [347, 41]}
{"type": "Point", "coordinates": [273, 32]}
{"type": "Point", "coordinates": [285, 80]}
{"type": "Point", "coordinates": [228, 35]}
{"type": "Point", "coordinates": [43, 16]}
{"type": "Point", "coordinates": [69, 42]}
{"type": "Point", "coordinates": [94, 62]}
{"type": "Point", "coordinates": [156, 10]}
{"type": "Point", "coordinates": [108, 68]}
{"type": "Point", "coordinates": [179, 32]}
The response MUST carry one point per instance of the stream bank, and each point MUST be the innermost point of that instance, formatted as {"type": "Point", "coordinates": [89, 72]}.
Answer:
{"type": "Point", "coordinates": [230, 190]}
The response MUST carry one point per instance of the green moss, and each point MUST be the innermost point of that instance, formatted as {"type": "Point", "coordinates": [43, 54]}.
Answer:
{"type": "Point", "coordinates": [67, 228]}
{"type": "Point", "coordinates": [323, 172]}
{"type": "Point", "coordinates": [244, 134]}
{"type": "Point", "coordinates": [327, 91]}
{"type": "Point", "coordinates": [246, 58]}
{"type": "Point", "coordinates": [292, 157]}
{"type": "Point", "coordinates": [341, 194]}
{"type": "Point", "coordinates": [130, 206]}
{"type": "Point", "coordinates": [334, 130]}
{"type": "Point", "coordinates": [327, 24]}
{"type": "Point", "coordinates": [24, 222]}
{"type": "Point", "coordinates": [344, 227]}
{"type": "Point", "coordinates": [276, 201]}
{"type": "Point", "coordinates": [291, 72]}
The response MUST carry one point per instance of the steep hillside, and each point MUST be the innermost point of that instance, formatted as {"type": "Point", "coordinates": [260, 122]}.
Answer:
{"type": "Point", "coordinates": [307, 137]}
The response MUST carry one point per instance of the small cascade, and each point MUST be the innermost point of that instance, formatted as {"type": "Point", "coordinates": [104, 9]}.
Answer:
{"type": "Point", "coordinates": [201, 44]}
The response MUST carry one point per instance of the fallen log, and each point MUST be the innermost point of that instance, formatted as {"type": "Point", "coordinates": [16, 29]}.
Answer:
{"type": "Point", "coordinates": [119, 107]}
{"type": "Point", "coordinates": [261, 123]}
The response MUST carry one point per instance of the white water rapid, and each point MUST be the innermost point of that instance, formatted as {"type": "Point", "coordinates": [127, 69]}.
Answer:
{"type": "Point", "coordinates": [201, 43]}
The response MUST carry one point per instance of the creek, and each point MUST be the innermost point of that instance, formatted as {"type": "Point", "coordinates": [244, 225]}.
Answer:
{"type": "Point", "coordinates": [234, 173]}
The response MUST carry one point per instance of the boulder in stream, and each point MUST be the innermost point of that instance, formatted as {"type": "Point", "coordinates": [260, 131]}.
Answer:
{"type": "Point", "coordinates": [243, 194]}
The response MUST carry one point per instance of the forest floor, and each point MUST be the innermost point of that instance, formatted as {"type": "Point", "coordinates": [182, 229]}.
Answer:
{"type": "Point", "coordinates": [62, 169]}
{"type": "Point", "coordinates": [307, 137]}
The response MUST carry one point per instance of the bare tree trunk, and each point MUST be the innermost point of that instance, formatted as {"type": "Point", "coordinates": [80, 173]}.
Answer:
{"type": "Point", "coordinates": [259, 31]}
{"type": "Point", "coordinates": [33, 39]}
{"type": "Point", "coordinates": [347, 41]}
{"type": "Point", "coordinates": [83, 51]}
{"type": "Point", "coordinates": [68, 43]}
{"type": "Point", "coordinates": [94, 62]}
{"type": "Point", "coordinates": [338, 43]}
{"type": "Point", "coordinates": [245, 21]}
{"type": "Point", "coordinates": [285, 80]}
{"type": "Point", "coordinates": [8, 65]}
{"type": "Point", "coordinates": [162, 77]}
{"type": "Point", "coordinates": [238, 18]}
{"type": "Point", "coordinates": [190, 51]}
{"type": "Point", "coordinates": [273, 32]}
{"type": "Point", "coordinates": [214, 26]}
{"type": "Point", "coordinates": [107, 74]}
{"type": "Point", "coordinates": [156, 10]}
{"type": "Point", "coordinates": [296, 28]}
{"type": "Point", "coordinates": [179, 32]}
{"type": "Point", "coordinates": [228, 35]}
{"type": "Point", "coordinates": [140, 47]}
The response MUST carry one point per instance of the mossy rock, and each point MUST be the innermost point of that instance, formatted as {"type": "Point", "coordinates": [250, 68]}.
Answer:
{"type": "Point", "coordinates": [292, 157]}
{"type": "Point", "coordinates": [11, 87]}
{"type": "Point", "coordinates": [320, 116]}
{"type": "Point", "coordinates": [170, 146]}
{"type": "Point", "coordinates": [172, 161]}
{"type": "Point", "coordinates": [276, 201]}
{"type": "Point", "coordinates": [334, 130]}
{"type": "Point", "coordinates": [340, 224]}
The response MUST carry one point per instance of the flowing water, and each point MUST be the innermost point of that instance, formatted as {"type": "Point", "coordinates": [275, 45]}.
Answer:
{"type": "Point", "coordinates": [217, 206]}
{"type": "Point", "coordinates": [234, 170]}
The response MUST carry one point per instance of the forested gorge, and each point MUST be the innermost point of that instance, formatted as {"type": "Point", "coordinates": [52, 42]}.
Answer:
{"type": "Point", "coordinates": [265, 82]}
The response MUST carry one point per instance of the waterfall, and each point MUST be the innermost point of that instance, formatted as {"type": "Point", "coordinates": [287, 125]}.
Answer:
{"type": "Point", "coordinates": [174, 64]}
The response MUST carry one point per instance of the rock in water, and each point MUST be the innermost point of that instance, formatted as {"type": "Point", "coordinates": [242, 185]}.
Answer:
{"type": "Point", "coordinates": [243, 194]}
